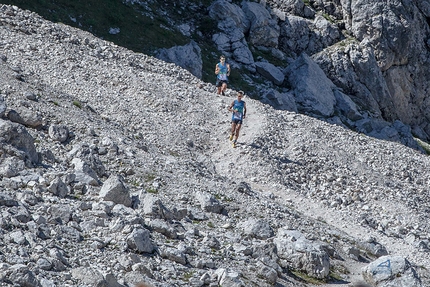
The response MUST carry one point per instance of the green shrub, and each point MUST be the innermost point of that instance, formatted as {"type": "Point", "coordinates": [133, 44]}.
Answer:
{"type": "Point", "coordinates": [77, 104]}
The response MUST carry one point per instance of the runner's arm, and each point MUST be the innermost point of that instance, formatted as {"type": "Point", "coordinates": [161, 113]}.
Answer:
{"type": "Point", "coordinates": [228, 69]}
{"type": "Point", "coordinates": [231, 106]}
{"type": "Point", "coordinates": [244, 110]}
{"type": "Point", "coordinates": [216, 69]}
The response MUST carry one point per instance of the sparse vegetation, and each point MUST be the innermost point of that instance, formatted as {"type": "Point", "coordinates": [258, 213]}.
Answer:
{"type": "Point", "coordinates": [424, 145]}
{"type": "Point", "coordinates": [174, 153]}
{"type": "Point", "coordinates": [77, 104]}
{"type": "Point", "coordinates": [149, 177]}
{"type": "Point", "coordinates": [305, 277]}
{"type": "Point", "coordinates": [337, 271]}
{"type": "Point", "coordinates": [328, 17]}
{"type": "Point", "coordinates": [141, 29]}
{"type": "Point", "coordinates": [188, 276]}
{"type": "Point", "coordinates": [151, 190]}
{"type": "Point", "coordinates": [135, 182]}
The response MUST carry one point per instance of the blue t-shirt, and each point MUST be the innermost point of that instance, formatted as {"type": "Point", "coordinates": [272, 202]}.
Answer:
{"type": "Point", "coordinates": [238, 109]}
{"type": "Point", "coordinates": [222, 75]}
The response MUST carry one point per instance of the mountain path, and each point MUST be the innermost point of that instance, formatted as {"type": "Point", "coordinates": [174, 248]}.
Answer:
{"type": "Point", "coordinates": [252, 127]}
{"type": "Point", "coordinates": [224, 156]}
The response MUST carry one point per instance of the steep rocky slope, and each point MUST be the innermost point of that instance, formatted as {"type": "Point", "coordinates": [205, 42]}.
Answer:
{"type": "Point", "coordinates": [115, 168]}
{"type": "Point", "coordinates": [371, 57]}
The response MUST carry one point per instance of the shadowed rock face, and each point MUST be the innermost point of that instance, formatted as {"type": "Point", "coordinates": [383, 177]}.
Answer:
{"type": "Point", "coordinates": [16, 138]}
{"type": "Point", "coordinates": [146, 187]}
{"type": "Point", "coordinates": [375, 53]}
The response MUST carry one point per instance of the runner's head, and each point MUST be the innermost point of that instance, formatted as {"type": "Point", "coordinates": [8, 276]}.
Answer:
{"type": "Point", "coordinates": [222, 59]}
{"type": "Point", "coordinates": [240, 95]}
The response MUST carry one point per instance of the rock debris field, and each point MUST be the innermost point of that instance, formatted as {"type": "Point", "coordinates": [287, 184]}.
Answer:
{"type": "Point", "coordinates": [116, 168]}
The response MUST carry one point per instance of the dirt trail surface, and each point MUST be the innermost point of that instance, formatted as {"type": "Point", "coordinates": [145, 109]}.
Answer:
{"type": "Point", "coordinates": [161, 136]}
{"type": "Point", "coordinates": [225, 156]}
{"type": "Point", "coordinates": [231, 163]}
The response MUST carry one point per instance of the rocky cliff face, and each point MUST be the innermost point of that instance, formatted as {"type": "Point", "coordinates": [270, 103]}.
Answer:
{"type": "Point", "coordinates": [115, 168]}
{"type": "Point", "coordinates": [375, 54]}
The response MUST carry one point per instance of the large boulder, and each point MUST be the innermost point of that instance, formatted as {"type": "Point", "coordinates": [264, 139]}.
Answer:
{"type": "Point", "coordinates": [153, 207]}
{"type": "Point", "coordinates": [208, 202]}
{"type": "Point", "coordinates": [299, 35]}
{"type": "Point", "coordinates": [25, 117]}
{"type": "Point", "coordinates": [233, 23]}
{"type": "Point", "coordinates": [139, 241]}
{"type": "Point", "coordinates": [281, 101]}
{"type": "Point", "coordinates": [257, 228]}
{"type": "Point", "coordinates": [390, 271]}
{"type": "Point", "coordinates": [84, 173]}
{"type": "Point", "coordinates": [222, 10]}
{"type": "Point", "coordinates": [58, 133]}
{"type": "Point", "coordinates": [188, 57]}
{"type": "Point", "coordinates": [264, 31]}
{"type": "Point", "coordinates": [297, 252]}
{"type": "Point", "coordinates": [88, 276]}
{"type": "Point", "coordinates": [312, 90]}
{"type": "Point", "coordinates": [354, 69]}
{"type": "Point", "coordinates": [270, 72]}
{"type": "Point", "coordinates": [114, 189]}
{"type": "Point", "coordinates": [18, 141]}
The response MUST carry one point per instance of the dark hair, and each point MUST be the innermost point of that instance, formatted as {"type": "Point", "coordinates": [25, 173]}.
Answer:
{"type": "Point", "coordinates": [222, 57]}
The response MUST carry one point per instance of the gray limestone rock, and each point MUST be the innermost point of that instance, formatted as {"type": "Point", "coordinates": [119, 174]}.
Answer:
{"type": "Point", "coordinates": [58, 133]}
{"type": "Point", "coordinates": [59, 188]}
{"type": "Point", "coordinates": [391, 271]}
{"type": "Point", "coordinates": [84, 173]}
{"type": "Point", "coordinates": [166, 134]}
{"type": "Point", "coordinates": [25, 117]}
{"type": "Point", "coordinates": [89, 276]}
{"type": "Point", "coordinates": [20, 140]}
{"type": "Point", "coordinates": [313, 91]}
{"type": "Point", "coordinates": [140, 242]}
{"type": "Point", "coordinates": [257, 228]}
{"type": "Point", "coordinates": [7, 200]}
{"type": "Point", "coordinates": [173, 254]}
{"type": "Point", "coordinates": [114, 189]}
{"type": "Point", "coordinates": [270, 72]}
{"type": "Point", "coordinates": [264, 31]}
{"type": "Point", "coordinates": [302, 253]}
{"type": "Point", "coordinates": [209, 203]}
{"type": "Point", "coordinates": [2, 106]}
{"type": "Point", "coordinates": [163, 227]}
{"type": "Point", "coordinates": [188, 57]}
{"type": "Point", "coordinates": [153, 207]}
{"type": "Point", "coordinates": [282, 101]}
{"type": "Point", "coordinates": [23, 276]}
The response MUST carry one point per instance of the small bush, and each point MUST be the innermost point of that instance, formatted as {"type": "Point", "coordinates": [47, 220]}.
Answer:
{"type": "Point", "coordinates": [77, 104]}
{"type": "Point", "coordinates": [425, 146]}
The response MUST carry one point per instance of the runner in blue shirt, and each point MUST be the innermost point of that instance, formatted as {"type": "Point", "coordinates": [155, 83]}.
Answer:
{"type": "Point", "coordinates": [222, 71]}
{"type": "Point", "coordinates": [238, 108]}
